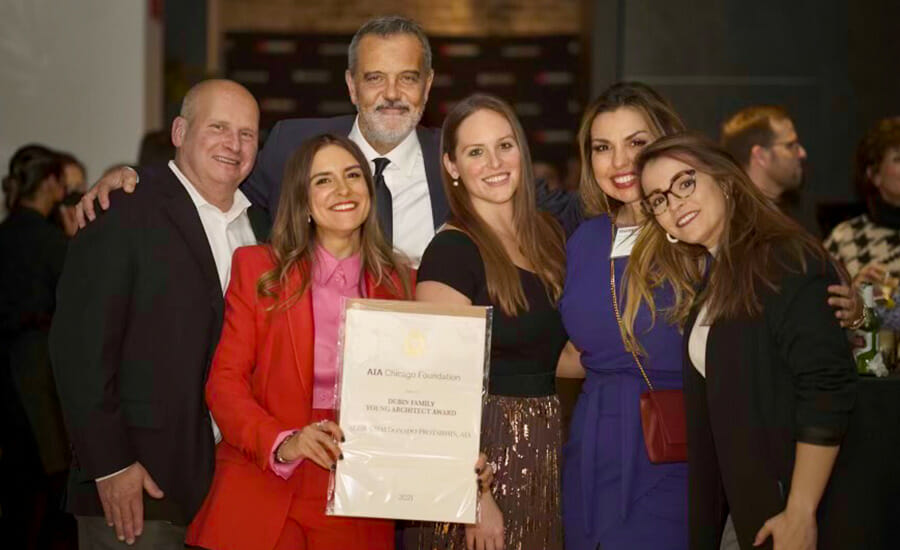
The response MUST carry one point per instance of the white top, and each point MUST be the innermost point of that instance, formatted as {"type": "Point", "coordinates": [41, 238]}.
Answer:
{"type": "Point", "coordinates": [699, 335]}
{"type": "Point", "coordinates": [697, 342]}
{"type": "Point", "coordinates": [405, 178]}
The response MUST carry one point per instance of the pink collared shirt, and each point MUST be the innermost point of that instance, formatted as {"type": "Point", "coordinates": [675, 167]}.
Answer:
{"type": "Point", "coordinates": [332, 281]}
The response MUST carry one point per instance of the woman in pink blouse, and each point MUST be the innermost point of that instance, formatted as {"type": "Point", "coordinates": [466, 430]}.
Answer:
{"type": "Point", "coordinates": [271, 384]}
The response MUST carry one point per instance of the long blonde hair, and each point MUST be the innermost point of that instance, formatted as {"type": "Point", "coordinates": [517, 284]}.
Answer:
{"type": "Point", "coordinates": [294, 232]}
{"type": "Point", "coordinates": [541, 239]}
{"type": "Point", "coordinates": [757, 245]}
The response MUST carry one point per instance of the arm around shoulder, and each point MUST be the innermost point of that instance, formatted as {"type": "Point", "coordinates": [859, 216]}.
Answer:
{"type": "Point", "coordinates": [815, 347]}
{"type": "Point", "coordinates": [125, 178]}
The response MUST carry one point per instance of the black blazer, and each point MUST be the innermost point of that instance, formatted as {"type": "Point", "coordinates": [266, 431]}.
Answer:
{"type": "Point", "coordinates": [771, 381]}
{"type": "Point", "coordinates": [263, 186]}
{"type": "Point", "coordinates": [139, 312]}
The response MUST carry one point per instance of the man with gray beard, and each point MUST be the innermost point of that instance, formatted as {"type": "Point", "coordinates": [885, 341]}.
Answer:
{"type": "Point", "coordinates": [388, 77]}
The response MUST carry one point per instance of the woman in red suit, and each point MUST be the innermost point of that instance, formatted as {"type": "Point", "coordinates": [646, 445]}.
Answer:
{"type": "Point", "coordinates": [271, 385]}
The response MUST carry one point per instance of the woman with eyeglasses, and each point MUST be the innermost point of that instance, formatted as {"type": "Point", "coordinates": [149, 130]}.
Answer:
{"type": "Point", "coordinates": [768, 375]}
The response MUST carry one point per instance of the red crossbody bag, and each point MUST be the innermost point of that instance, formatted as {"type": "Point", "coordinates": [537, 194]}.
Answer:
{"type": "Point", "coordinates": [662, 411]}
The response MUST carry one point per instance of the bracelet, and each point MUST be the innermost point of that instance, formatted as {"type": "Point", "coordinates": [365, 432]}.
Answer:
{"type": "Point", "coordinates": [278, 458]}
{"type": "Point", "coordinates": [856, 323]}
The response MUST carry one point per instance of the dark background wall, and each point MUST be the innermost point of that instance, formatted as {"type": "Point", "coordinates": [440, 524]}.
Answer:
{"type": "Point", "coordinates": [185, 50]}
{"type": "Point", "coordinates": [831, 63]}
{"type": "Point", "coordinates": [303, 76]}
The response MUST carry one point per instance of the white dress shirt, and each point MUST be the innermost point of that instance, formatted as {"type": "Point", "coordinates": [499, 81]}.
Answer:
{"type": "Point", "coordinates": [405, 178]}
{"type": "Point", "coordinates": [225, 232]}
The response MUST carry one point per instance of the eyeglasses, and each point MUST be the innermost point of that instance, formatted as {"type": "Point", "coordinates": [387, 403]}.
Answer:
{"type": "Point", "coordinates": [792, 146]}
{"type": "Point", "coordinates": [682, 186]}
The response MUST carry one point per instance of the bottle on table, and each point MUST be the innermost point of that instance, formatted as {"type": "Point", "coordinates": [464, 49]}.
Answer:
{"type": "Point", "coordinates": [867, 353]}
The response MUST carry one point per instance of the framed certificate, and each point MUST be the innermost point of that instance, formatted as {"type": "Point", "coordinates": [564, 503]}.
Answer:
{"type": "Point", "coordinates": [411, 381]}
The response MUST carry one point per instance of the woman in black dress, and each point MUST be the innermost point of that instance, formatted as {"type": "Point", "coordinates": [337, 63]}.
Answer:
{"type": "Point", "coordinates": [35, 456]}
{"type": "Point", "coordinates": [497, 250]}
{"type": "Point", "coordinates": [769, 380]}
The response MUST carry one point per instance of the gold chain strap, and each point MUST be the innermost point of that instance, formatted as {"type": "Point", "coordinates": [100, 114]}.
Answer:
{"type": "Point", "coordinates": [615, 301]}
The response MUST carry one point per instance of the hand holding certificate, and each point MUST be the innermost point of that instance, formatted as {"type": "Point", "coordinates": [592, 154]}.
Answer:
{"type": "Point", "coordinates": [411, 384]}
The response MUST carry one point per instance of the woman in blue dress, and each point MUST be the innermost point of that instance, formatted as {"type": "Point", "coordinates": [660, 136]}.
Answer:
{"type": "Point", "coordinates": [613, 497]}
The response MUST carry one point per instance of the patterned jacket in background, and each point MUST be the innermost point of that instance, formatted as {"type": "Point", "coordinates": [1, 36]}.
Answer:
{"type": "Point", "coordinates": [859, 241]}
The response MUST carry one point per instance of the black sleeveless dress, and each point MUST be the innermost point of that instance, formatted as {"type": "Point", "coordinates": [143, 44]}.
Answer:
{"type": "Point", "coordinates": [521, 433]}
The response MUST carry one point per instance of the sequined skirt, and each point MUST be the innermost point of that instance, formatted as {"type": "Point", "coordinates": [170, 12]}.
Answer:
{"type": "Point", "coordinates": [521, 437]}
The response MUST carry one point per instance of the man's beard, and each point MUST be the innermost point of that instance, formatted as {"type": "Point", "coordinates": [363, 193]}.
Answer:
{"type": "Point", "coordinates": [374, 122]}
{"type": "Point", "coordinates": [789, 179]}
{"type": "Point", "coordinates": [795, 182]}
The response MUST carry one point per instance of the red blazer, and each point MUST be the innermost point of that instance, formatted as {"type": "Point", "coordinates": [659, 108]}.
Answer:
{"type": "Point", "coordinates": [260, 384]}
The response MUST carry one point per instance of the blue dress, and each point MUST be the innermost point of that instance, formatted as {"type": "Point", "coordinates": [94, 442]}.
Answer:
{"type": "Point", "coordinates": [612, 495]}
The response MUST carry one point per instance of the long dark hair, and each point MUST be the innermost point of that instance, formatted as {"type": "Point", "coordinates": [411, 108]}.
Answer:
{"type": "Point", "coordinates": [757, 245]}
{"type": "Point", "coordinates": [29, 167]}
{"type": "Point", "coordinates": [540, 238]}
{"type": "Point", "coordinates": [294, 233]}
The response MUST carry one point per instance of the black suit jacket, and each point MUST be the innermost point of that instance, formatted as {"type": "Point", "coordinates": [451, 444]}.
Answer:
{"type": "Point", "coordinates": [139, 312]}
{"type": "Point", "coordinates": [263, 186]}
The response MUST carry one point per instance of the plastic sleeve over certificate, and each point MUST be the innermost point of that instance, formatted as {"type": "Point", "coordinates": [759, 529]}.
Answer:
{"type": "Point", "coordinates": [411, 383]}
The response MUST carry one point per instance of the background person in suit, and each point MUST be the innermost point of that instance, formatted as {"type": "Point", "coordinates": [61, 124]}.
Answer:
{"type": "Point", "coordinates": [388, 77]}
{"type": "Point", "coordinates": [764, 140]}
{"type": "Point", "coordinates": [140, 307]}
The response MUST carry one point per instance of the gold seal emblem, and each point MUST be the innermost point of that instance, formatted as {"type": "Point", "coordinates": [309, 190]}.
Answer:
{"type": "Point", "coordinates": [414, 346]}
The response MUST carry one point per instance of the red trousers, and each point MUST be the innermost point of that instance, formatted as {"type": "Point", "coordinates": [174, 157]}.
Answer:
{"type": "Point", "coordinates": [308, 528]}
